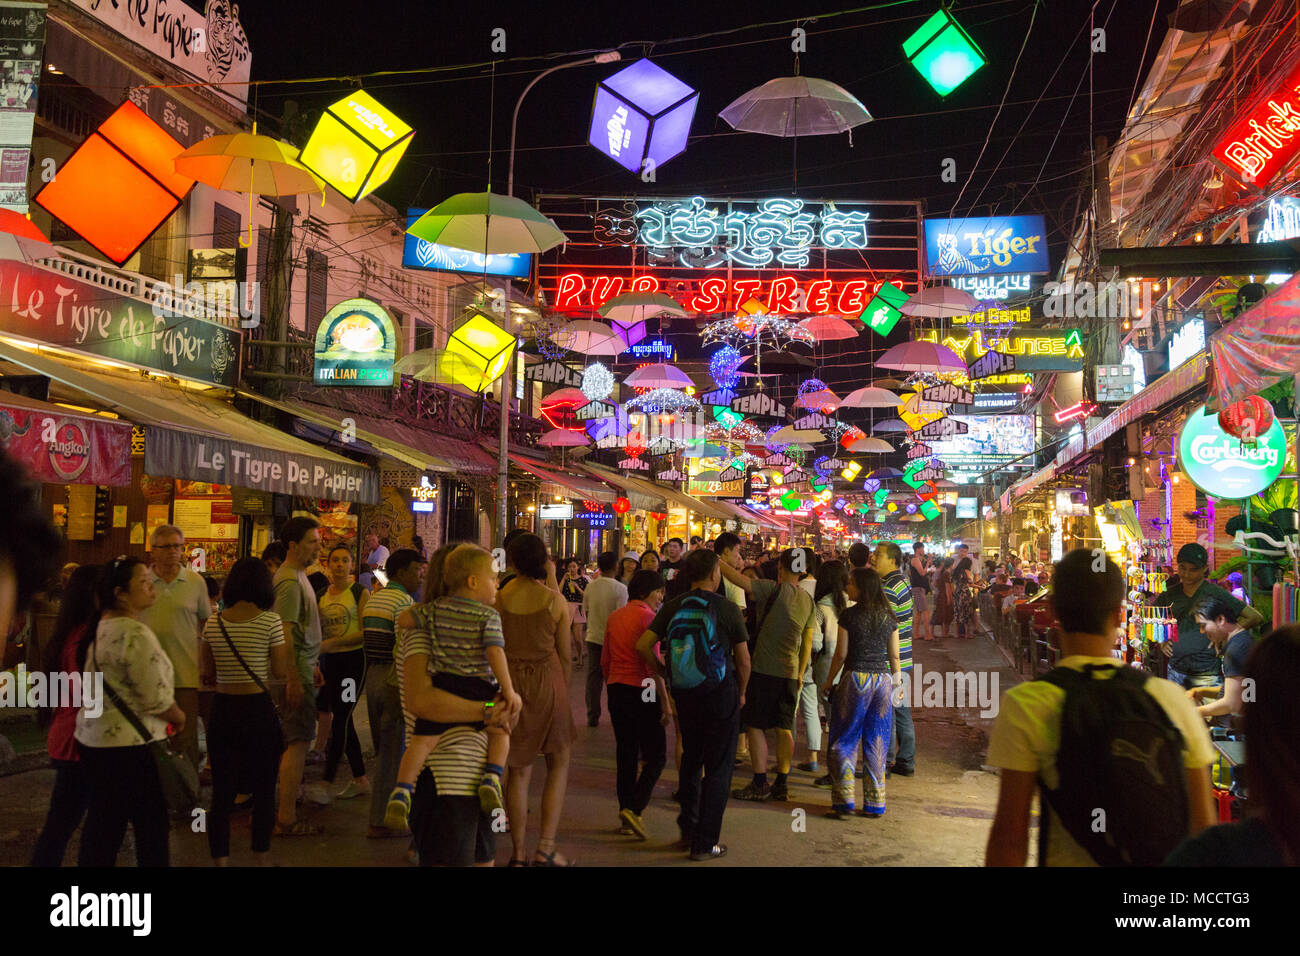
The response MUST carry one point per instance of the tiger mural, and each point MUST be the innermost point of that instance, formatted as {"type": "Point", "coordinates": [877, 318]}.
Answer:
{"type": "Point", "coordinates": [226, 41]}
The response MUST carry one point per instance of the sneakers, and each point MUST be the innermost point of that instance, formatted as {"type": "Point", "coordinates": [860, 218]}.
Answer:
{"type": "Point", "coordinates": [633, 821]}
{"type": "Point", "coordinates": [779, 792]}
{"type": "Point", "coordinates": [318, 795]}
{"type": "Point", "coordinates": [353, 789]}
{"type": "Point", "coordinates": [490, 797]}
{"type": "Point", "coordinates": [716, 852]}
{"type": "Point", "coordinates": [823, 782]}
{"type": "Point", "coordinates": [398, 811]}
{"type": "Point", "coordinates": [902, 771]}
{"type": "Point", "coordinates": [808, 767]}
{"type": "Point", "coordinates": [753, 793]}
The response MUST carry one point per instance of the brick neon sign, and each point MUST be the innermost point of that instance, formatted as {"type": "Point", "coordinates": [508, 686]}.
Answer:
{"type": "Point", "coordinates": [1263, 142]}
{"type": "Point", "coordinates": [576, 290]}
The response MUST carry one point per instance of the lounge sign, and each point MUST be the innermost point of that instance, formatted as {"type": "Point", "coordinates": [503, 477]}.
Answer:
{"type": "Point", "coordinates": [221, 461]}
{"type": "Point", "coordinates": [47, 306]}
{"type": "Point", "coordinates": [1221, 465]}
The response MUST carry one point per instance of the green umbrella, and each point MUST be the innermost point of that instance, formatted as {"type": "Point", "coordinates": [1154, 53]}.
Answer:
{"type": "Point", "coordinates": [487, 223]}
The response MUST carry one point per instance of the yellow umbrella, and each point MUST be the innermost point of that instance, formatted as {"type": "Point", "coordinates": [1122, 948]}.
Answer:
{"type": "Point", "coordinates": [249, 163]}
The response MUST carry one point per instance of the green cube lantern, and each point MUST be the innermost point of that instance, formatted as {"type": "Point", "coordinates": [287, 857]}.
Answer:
{"type": "Point", "coordinates": [930, 510]}
{"type": "Point", "coordinates": [356, 145]}
{"type": "Point", "coordinates": [790, 501]}
{"type": "Point", "coordinates": [728, 418]}
{"type": "Point", "coordinates": [881, 496]}
{"type": "Point", "coordinates": [943, 53]}
{"type": "Point", "coordinates": [884, 310]}
{"type": "Point", "coordinates": [477, 353]}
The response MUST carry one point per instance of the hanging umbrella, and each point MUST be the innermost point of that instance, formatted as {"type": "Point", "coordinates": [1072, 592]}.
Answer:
{"type": "Point", "coordinates": [889, 383]}
{"type": "Point", "coordinates": [794, 435]}
{"type": "Point", "coordinates": [914, 404]}
{"type": "Point", "coordinates": [16, 224]}
{"type": "Point", "coordinates": [893, 425]}
{"type": "Point", "coordinates": [871, 445]}
{"type": "Point", "coordinates": [939, 302]}
{"type": "Point", "coordinates": [796, 106]}
{"type": "Point", "coordinates": [488, 223]}
{"type": "Point", "coordinates": [658, 375]}
{"type": "Point", "coordinates": [828, 328]}
{"type": "Point", "coordinates": [588, 337]}
{"type": "Point", "coordinates": [562, 438]}
{"type": "Point", "coordinates": [249, 163]}
{"type": "Point", "coordinates": [819, 399]}
{"type": "Point", "coordinates": [632, 307]}
{"type": "Point", "coordinates": [882, 474]}
{"type": "Point", "coordinates": [870, 397]}
{"type": "Point", "coordinates": [921, 357]}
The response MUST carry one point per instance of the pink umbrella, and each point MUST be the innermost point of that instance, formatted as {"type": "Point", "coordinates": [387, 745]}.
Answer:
{"type": "Point", "coordinates": [822, 400]}
{"type": "Point", "coordinates": [871, 397]}
{"type": "Point", "coordinates": [921, 357]}
{"type": "Point", "coordinates": [562, 438]}
{"type": "Point", "coordinates": [828, 328]}
{"type": "Point", "coordinates": [660, 375]}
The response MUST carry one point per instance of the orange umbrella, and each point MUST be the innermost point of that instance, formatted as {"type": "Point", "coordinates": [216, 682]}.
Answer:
{"type": "Point", "coordinates": [19, 225]}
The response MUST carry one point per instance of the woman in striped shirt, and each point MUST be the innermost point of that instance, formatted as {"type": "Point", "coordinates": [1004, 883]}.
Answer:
{"type": "Point", "coordinates": [240, 646]}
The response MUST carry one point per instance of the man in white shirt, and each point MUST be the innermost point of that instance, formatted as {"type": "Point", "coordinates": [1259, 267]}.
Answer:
{"type": "Point", "coordinates": [176, 617]}
{"type": "Point", "coordinates": [375, 556]}
{"type": "Point", "coordinates": [603, 596]}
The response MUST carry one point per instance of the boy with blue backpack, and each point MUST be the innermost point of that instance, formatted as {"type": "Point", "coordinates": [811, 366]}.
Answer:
{"type": "Point", "coordinates": [706, 663]}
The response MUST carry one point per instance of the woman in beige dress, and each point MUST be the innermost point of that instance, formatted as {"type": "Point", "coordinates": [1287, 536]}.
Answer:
{"type": "Point", "coordinates": [535, 619]}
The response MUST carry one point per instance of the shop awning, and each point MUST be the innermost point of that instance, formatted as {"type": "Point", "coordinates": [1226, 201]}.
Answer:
{"type": "Point", "coordinates": [60, 446]}
{"type": "Point", "coordinates": [565, 483]}
{"type": "Point", "coordinates": [193, 436]}
{"type": "Point", "coordinates": [643, 495]}
{"type": "Point", "coordinates": [745, 517]}
{"type": "Point", "coordinates": [766, 521]}
{"type": "Point", "coordinates": [396, 440]}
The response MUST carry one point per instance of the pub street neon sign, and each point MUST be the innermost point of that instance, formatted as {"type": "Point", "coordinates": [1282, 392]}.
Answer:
{"type": "Point", "coordinates": [714, 294]}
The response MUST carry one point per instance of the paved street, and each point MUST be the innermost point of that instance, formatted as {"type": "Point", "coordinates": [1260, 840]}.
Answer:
{"type": "Point", "coordinates": [940, 817]}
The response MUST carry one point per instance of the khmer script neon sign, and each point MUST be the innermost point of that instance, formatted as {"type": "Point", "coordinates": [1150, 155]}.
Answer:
{"type": "Point", "coordinates": [706, 234]}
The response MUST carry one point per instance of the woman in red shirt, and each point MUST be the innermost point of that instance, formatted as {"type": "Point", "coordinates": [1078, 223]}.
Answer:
{"type": "Point", "coordinates": [638, 723]}
{"type": "Point", "coordinates": [67, 654]}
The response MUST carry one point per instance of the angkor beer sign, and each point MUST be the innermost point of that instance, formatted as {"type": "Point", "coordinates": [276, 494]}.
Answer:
{"type": "Point", "coordinates": [1262, 142]}
{"type": "Point", "coordinates": [1221, 465]}
{"type": "Point", "coordinates": [46, 306]}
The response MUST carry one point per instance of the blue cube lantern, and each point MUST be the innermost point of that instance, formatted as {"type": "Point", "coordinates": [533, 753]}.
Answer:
{"type": "Point", "coordinates": [642, 113]}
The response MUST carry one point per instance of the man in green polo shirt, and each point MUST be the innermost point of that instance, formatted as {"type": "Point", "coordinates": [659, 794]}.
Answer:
{"type": "Point", "coordinates": [1192, 660]}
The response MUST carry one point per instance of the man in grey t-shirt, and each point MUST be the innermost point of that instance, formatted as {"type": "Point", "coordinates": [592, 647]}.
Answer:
{"type": "Point", "coordinates": [295, 602]}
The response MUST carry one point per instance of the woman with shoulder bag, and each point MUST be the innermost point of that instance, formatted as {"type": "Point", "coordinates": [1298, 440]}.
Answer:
{"type": "Point", "coordinates": [240, 645]}
{"type": "Point", "coordinates": [116, 740]}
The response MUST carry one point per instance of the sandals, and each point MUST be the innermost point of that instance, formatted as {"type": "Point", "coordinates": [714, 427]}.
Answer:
{"type": "Point", "coordinates": [297, 828]}
{"type": "Point", "coordinates": [548, 859]}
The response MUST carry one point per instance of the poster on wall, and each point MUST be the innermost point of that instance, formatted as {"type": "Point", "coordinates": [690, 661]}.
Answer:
{"type": "Point", "coordinates": [205, 514]}
{"type": "Point", "coordinates": [22, 48]}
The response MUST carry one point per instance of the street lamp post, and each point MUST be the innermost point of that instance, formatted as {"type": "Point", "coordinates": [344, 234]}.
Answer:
{"type": "Point", "coordinates": [507, 381]}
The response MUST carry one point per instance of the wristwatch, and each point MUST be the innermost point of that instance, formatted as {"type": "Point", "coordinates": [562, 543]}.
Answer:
{"type": "Point", "coordinates": [487, 709]}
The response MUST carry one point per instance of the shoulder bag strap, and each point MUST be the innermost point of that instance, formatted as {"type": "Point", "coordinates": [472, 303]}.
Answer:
{"type": "Point", "coordinates": [240, 657]}
{"type": "Point", "coordinates": [120, 704]}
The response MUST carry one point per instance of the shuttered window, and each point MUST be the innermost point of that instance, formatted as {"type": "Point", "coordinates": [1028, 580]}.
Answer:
{"type": "Point", "coordinates": [317, 287]}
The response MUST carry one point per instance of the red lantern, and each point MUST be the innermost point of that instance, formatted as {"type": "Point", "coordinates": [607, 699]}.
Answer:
{"type": "Point", "coordinates": [659, 515]}
{"type": "Point", "coordinates": [622, 506]}
{"type": "Point", "coordinates": [1248, 419]}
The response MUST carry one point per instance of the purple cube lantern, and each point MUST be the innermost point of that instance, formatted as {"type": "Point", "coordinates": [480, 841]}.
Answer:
{"type": "Point", "coordinates": [642, 113]}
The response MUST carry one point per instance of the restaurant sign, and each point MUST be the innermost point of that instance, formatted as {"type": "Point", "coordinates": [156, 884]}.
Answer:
{"type": "Point", "coordinates": [47, 306]}
{"type": "Point", "coordinates": [355, 345]}
{"type": "Point", "coordinates": [1262, 141]}
{"type": "Point", "coordinates": [199, 457]}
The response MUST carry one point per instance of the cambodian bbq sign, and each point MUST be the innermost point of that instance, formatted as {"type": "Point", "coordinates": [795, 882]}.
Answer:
{"type": "Point", "coordinates": [1222, 465]}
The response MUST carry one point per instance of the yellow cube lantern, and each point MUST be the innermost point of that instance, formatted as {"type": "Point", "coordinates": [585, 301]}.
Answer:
{"type": "Point", "coordinates": [477, 354]}
{"type": "Point", "coordinates": [356, 145]}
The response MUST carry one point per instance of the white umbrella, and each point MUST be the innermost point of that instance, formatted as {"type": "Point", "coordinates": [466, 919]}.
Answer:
{"type": "Point", "coordinates": [939, 302]}
{"type": "Point", "coordinates": [871, 445]}
{"type": "Point", "coordinates": [659, 375]}
{"type": "Point", "coordinates": [921, 357]}
{"type": "Point", "coordinates": [796, 106]}
{"type": "Point", "coordinates": [588, 337]}
{"type": "Point", "coordinates": [633, 307]}
{"type": "Point", "coordinates": [792, 435]}
{"type": "Point", "coordinates": [871, 397]}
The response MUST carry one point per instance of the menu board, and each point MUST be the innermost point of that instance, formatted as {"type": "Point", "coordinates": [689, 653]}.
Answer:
{"type": "Point", "coordinates": [205, 514]}
{"type": "Point", "coordinates": [81, 513]}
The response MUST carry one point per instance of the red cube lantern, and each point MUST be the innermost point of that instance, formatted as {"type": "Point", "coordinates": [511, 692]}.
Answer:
{"type": "Point", "coordinates": [622, 506]}
{"type": "Point", "coordinates": [119, 185]}
{"type": "Point", "coordinates": [1248, 418]}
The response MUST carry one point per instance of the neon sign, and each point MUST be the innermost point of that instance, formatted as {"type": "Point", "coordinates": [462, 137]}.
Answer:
{"type": "Point", "coordinates": [715, 294]}
{"type": "Point", "coordinates": [1262, 142]}
{"type": "Point", "coordinates": [994, 317]}
{"type": "Point", "coordinates": [1041, 350]}
{"type": "Point", "coordinates": [1078, 410]}
{"type": "Point", "coordinates": [656, 349]}
{"type": "Point", "coordinates": [696, 234]}
{"type": "Point", "coordinates": [988, 288]}
{"type": "Point", "coordinates": [1187, 342]}
{"type": "Point", "coordinates": [986, 246]}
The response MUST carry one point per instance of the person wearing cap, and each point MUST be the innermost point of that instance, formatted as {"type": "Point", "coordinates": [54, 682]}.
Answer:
{"type": "Point", "coordinates": [1192, 658]}
{"type": "Point", "coordinates": [629, 566]}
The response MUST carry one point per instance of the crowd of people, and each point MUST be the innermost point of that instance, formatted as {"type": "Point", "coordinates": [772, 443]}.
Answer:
{"type": "Point", "coordinates": [466, 668]}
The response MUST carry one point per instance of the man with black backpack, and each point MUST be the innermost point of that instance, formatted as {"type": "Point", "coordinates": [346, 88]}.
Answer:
{"type": "Point", "coordinates": [1120, 758]}
{"type": "Point", "coordinates": [703, 640]}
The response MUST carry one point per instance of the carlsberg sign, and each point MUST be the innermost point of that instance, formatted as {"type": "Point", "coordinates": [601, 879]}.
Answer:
{"type": "Point", "coordinates": [1221, 465]}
